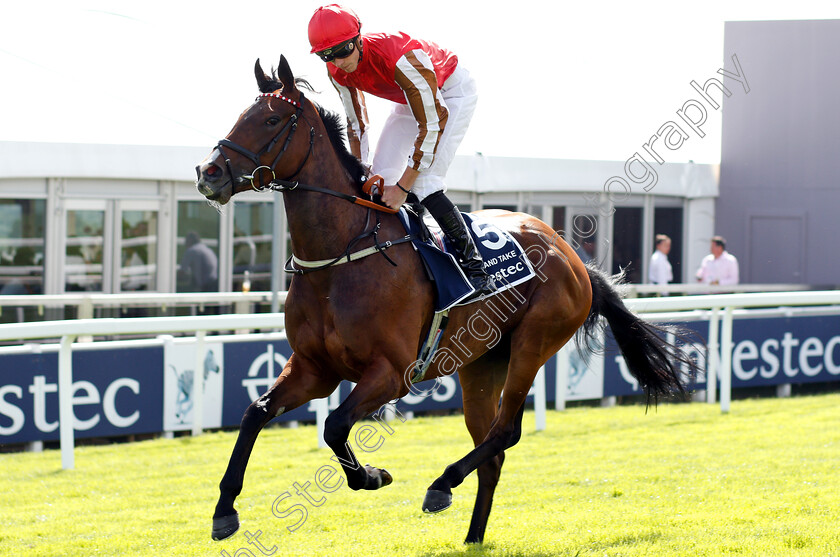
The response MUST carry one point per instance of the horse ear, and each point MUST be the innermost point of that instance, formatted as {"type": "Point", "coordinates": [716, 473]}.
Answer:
{"type": "Point", "coordinates": [284, 74]}
{"type": "Point", "coordinates": [262, 79]}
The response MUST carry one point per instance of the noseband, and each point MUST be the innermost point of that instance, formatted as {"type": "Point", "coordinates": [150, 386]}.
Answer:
{"type": "Point", "coordinates": [290, 127]}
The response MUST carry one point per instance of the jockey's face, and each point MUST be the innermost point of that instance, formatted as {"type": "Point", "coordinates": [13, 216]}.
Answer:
{"type": "Point", "coordinates": [348, 63]}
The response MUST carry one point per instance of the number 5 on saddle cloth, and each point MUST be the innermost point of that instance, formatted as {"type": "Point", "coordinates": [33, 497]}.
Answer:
{"type": "Point", "coordinates": [503, 257]}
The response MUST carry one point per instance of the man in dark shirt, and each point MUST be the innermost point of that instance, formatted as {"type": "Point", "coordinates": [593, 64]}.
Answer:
{"type": "Point", "coordinates": [199, 266]}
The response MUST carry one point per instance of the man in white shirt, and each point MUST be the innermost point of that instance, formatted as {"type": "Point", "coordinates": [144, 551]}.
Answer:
{"type": "Point", "coordinates": [660, 271]}
{"type": "Point", "coordinates": [720, 266]}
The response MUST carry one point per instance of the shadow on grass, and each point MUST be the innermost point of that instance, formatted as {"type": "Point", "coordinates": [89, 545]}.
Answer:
{"type": "Point", "coordinates": [485, 550]}
{"type": "Point", "coordinates": [52, 473]}
{"type": "Point", "coordinates": [490, 549]}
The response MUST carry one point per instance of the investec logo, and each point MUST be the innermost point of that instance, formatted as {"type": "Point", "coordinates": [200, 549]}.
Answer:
{"type": "Point", "coordinates": [40, 401]}
{"type": "Point", "coordinates": [268, 359]}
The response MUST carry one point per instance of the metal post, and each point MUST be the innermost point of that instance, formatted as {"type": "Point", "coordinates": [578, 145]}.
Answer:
{"type": "Point", "coordinates": [198, 384]}
{"type": "Point", "coordinates": [276, 265]}
{"type": "Point", "coordinates": [35, 447]}
{"type": "Point", "coordinates": [539, 399]}
{"type": "Point", "coordinates": [713, 356]}
{"type": "Point", "coordinates": [726, 361]}
{"type": "Point", "coordinates": [561, 378]}
{"type": "Point", "coordinates": [85, 310]}
{"type": "Point", "coordinates": [65, 401]}
{"type": "Point", "coordinates": [321, 407]}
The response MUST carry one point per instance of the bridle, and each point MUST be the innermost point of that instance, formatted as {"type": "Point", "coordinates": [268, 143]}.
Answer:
{"type": "Point", "coordinates": [290, 127]}
{"type": "Point", "coordinates": [288, 185]}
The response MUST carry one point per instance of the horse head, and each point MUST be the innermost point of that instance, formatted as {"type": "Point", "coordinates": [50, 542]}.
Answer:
{"type": "Point", "coordinates": [261, 145]}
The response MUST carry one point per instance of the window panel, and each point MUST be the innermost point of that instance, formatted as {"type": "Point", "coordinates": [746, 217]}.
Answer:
{"type": "Point", "coordinates": [197, 247]}
{"type": "Point", "coordinates": [627, 243]}
{"type": "Point", "coordinates": [83, 261]}
{"type": "Point", "coordinates": [138, 252]}
{"type": "Point", "coordinates": [253, 224]}
{"type": "Point", "coordinates": [22, 223]}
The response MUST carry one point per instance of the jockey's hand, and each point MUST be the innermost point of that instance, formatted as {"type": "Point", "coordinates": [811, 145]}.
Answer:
{"type": "Point", "coordinates": [393, 197]}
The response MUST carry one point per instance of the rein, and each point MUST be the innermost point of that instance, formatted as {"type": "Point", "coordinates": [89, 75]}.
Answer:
{"type": "Point", "coordinates": [287, 185]}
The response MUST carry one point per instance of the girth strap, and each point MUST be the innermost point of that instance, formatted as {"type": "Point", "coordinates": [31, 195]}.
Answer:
{"type": "Point", "coordinates": [347, 256]}
{"type": "Point", "coordinates": [343, 258]}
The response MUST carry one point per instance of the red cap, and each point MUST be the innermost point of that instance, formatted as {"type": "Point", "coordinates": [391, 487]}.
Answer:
{"type": "Point", "coordinates": [331, 25]}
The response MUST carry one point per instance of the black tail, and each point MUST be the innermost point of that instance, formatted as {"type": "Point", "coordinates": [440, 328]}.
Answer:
{"type": "Point", "coordinates": [652, 361]}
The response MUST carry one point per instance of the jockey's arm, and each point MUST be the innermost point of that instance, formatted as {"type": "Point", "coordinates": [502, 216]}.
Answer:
{"type": "Point", "coordinates": [355, 145]}
{"type": "Point", "coordinates": [394, 195]}
{"type": "Point", "coordinates": [357, 120]}
{"type": "Point", "coordinates": [420, 86]}
{"type": "Point", "coordinates": [408, 177]}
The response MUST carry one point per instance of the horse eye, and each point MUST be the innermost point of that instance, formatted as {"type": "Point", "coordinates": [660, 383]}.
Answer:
{"type": "Point", "coordinates": [273, 121]}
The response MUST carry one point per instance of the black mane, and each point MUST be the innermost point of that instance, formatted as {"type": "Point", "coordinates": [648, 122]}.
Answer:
{"type": "Point", "coordinates": [337, 133]}
{"type": "Point", "coordinates": [333, 122]}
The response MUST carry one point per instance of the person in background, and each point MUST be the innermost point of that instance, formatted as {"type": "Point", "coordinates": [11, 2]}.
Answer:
{"type": "Point", "coordinates": [199, 265]}
{"type": "Point", "coordinates": [719, 267]}
{"type": "Point", "coordinates": [433, 98]}
{"type": "Point", "coordinates": [660, 268]}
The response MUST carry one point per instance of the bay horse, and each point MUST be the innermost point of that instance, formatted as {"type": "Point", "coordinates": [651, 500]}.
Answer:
{"type": "Point", "coordinates": [365, 320]}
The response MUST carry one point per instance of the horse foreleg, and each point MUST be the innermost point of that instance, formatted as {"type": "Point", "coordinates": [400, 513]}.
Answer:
{"type": "Point", "coordinates": [379, 385]}
{"type": "Point", "coordinates": [295, 386]}
{"type": "Point", "coordinates": [225, 517]}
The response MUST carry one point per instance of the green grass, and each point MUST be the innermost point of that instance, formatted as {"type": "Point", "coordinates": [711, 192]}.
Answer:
{"type": "Point", "coordinates": [679, 480]}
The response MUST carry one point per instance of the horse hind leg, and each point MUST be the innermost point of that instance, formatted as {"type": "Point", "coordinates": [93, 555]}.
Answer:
{"type": "Point", "coordinates": [488, 478]}
{"type": "Point", "coordinates": [506, 428]}
{"type": "Point", "coordinates": [504, 433]}
{"type": "Point", "coordinates": [481, 384]}
{"type": "Point", "coordinates": [293, 388]}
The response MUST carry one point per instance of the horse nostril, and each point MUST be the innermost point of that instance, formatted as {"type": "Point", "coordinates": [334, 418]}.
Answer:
{"type": "Point", "coordinates": [212, 170]}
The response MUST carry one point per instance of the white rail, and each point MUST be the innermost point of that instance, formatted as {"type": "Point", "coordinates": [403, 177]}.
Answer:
{"type": "Point", "coordinates": [87, 302]}
{"type": "Point", "coordinates": [721, 333]}
{"type": "Point", "coordinates": [749, 300]}
{"type": "Point", "coordinates": [653, 308]}
{"type": "Point", "coordinates": [70, 330]}
{"type": "Point", "coordinates": [633, 290]}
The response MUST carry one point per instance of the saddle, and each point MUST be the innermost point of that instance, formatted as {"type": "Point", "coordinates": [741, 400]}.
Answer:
{"type": "Point", "coordinates": [504, 259]}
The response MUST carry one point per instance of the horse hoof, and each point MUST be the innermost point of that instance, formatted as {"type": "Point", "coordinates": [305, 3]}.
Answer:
{"type": "Point", "coordinates": [387, 478]}
{"type": "Point", "coordinates": [225, 526]}
{"type": "Point", "coordinates": [377, 478]}
{"type": "Point", "coordinates": [436, 501]}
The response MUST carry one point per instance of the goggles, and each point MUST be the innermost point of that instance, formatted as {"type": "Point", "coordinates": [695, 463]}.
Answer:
{"type": "Point", "coordinates": [342, 50]}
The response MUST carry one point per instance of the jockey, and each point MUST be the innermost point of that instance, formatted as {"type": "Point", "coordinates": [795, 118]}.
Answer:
{"type": "Point", "coordinates": [434, 99]}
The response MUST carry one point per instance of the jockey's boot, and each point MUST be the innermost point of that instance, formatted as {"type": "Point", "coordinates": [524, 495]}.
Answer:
{"type": "Point", "coordinates": [452, 224]}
